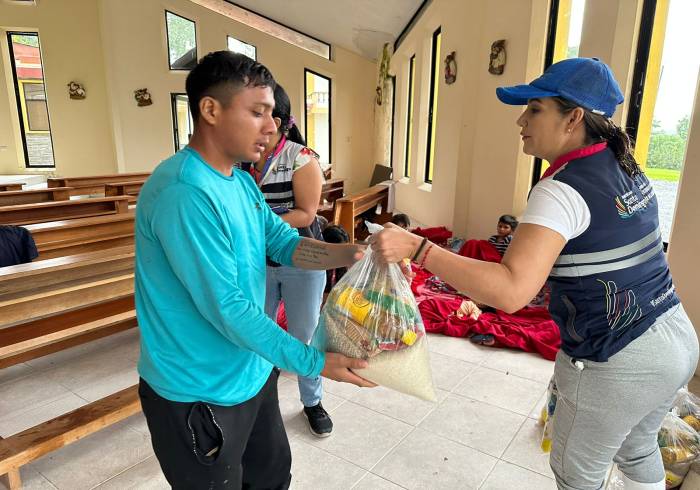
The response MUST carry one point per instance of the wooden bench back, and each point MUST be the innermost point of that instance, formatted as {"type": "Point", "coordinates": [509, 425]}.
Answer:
{"type": "Point", "coordinates": [38, 289]}
{"type": "Point", "coordinates": [24, 214]}
{"type": "Point", "coordinates": [37, 338]}
{"type": "Point", "coordinates": [11, 198]}
{"type": "Point", "coordinates": [15, 186]}
{"type": "Point", "coordinates": [94, 184]}
{"type": "Point", "coordinates": [74, 236]}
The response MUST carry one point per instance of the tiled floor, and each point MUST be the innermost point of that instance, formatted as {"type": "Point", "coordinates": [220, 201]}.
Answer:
{"type": "Point", "coordinates": [482, 434]}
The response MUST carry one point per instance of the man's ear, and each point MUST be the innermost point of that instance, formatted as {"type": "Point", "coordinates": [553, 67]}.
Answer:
{"type": "Point", "coordinates": [209, 109]}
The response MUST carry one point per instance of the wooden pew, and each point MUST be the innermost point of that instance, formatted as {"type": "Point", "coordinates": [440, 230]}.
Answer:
{"type": "Point", "coordinates": [29, 445]}
{"type": "Point", "coordinates": [37, 338]}
{"type": "Point", "coordinates": [94, 184]}
{"type": "Point", "coordinates": [332, 190]}
{"type": "Point", "coordinates": [81, 235]}
{"type": "Point", "coordinates": [16, 186]}
{"type": "Point", "coordinates": [39, 289]}
{"type": "Point", "coordinates": [350, 207]}
{"type": "Point", "coordinates": [10, 198]}
{"type": "Point", "coordinates": [24, 214]}
{"type": "Point", "coordinates": [130, 189]}
{"type": "Point", "coordinates": [65, 310]}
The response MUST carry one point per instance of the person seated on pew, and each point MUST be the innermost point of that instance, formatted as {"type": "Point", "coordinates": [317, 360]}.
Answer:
{"type": "Point", "coordinates": [16, 246]}
{"type": "Point", "coordinates": [209, 355]}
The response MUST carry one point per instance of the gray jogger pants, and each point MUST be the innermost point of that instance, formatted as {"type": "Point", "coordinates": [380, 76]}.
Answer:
{"type": "Point", "coordinates": [612, 411]}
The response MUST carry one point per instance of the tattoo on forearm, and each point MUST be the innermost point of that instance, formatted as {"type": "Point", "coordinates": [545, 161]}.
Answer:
{"type": "Point", "coordinates": [312, 253]}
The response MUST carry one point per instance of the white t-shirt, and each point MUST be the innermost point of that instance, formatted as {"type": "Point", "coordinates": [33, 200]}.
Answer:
{"type": "Point", "coordinates": [559, 207]}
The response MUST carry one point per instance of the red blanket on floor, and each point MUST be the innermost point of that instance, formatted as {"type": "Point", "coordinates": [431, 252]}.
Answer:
{"type": "Point", "coordinates": [480, 249]}
{"type": "Point", "coordinates": [530, 329]}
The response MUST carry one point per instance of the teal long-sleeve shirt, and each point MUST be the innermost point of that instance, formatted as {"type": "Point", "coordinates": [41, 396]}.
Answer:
{"type": "Point", "coordinates": [201, 242]}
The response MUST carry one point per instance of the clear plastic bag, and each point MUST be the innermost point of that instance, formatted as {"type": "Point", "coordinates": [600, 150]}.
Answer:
{"type": "Point", "coordinates": [547, 416]}
{"type": "Point", "coordinates": [371, 314]}
{"type": "Point", "coordinates": [687, 406]}
{"type": "Point", "coordinates": [680, 448]}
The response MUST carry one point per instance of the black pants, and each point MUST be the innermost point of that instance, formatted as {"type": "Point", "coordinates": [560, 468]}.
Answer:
{"type": "Point", "coordinates": [204, 446]}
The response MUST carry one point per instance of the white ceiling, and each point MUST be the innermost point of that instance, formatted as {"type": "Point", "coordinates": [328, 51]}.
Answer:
{"type": "Point", "coordinates": [360, 26]}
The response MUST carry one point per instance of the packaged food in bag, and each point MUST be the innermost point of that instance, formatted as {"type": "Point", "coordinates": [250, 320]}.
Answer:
{"type": "Point", "coordinates": [687, 406]}
{"type": "Point", "coordinates": [371, 314]}
{"type": "Point", "coordinates": [547, 416]}
{"type": "Point", "coordinates": [680, 448]}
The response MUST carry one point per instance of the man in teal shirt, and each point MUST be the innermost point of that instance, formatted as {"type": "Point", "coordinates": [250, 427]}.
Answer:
{"type": "Point", "coordinates": [208, 387]}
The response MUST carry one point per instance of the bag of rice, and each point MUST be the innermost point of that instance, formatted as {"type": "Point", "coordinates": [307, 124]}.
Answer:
{"type": "Point", "coordinates": [371, 314]}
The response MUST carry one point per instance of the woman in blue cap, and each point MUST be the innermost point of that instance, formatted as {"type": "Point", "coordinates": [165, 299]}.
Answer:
{"type": "Point", "coordinates": [591, 228]}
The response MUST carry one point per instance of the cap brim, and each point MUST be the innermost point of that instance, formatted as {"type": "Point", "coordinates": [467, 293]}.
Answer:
{"type": "Point", "coordinates": [520, 94]}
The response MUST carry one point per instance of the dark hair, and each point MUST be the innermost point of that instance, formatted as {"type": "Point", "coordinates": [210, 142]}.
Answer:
{"type": "Point", "coordinates": [220, 74]}
{"type": "Point", "coordinates": [283, 110]}
{"type": "Point", "coordinates": [401, 220]}
{"type": "Point", "coordinates": [508, 219]}
{"type": "Point", "coordinates": [335, 234]}
{"type": "Point", "coordinates": [600, 128]}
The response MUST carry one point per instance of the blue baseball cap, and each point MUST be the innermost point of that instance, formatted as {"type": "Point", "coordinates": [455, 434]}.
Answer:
{"type": "Point", "coordinates": [587, 82]}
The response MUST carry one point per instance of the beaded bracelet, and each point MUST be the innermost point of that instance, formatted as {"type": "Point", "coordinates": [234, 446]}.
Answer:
{"type": "Point", "coordinates": [420, 249]}
{"type": "Point", "coordinates": [425, 256]}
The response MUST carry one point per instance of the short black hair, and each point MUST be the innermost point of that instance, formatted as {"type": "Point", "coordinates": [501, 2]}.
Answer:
{"type": "Point", "coordinates": [335, 234]}
{"type": "Point", "coordinates": [401, 219]}
{"type": "Point", "coordinates": [509, 220]}
{"type": "Point", "coordinates": [219, 74]}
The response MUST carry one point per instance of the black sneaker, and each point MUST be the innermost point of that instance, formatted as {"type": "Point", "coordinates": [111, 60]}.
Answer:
{"type": "Point", "coordinates": [320, 423]}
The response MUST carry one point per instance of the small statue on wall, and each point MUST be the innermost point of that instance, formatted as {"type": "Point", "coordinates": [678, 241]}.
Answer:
{"type": "Point", "coordinates": [143, 97]}
{"type": "Point", "coordinates": [76, 91]}
{"type": "Point", "coordinates": [497, 62]}
{"type": "Point", "coordinates": [450, 68]}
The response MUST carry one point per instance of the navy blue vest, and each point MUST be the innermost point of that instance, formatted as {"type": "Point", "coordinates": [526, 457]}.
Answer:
{"type": "Point", "coordinates": [610, 283]}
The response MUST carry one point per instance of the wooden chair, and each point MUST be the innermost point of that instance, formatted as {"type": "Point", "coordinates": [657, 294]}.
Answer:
{"type": "Point", "coordinates": [11, 198]}
{"type": "Point", "coordinates": [24, 214]}
{"type": "Point", "coordinates": [350, 207]}
{"type": "Point", "coordinates": [332, 190]}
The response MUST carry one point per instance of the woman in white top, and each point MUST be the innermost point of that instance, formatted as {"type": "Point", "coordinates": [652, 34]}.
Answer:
{"type": "Point", "coordinates": [591, 228]}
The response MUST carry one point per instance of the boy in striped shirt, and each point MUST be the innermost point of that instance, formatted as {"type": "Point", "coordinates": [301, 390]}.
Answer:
{"type": "Point", "coordinates": [506, 226]}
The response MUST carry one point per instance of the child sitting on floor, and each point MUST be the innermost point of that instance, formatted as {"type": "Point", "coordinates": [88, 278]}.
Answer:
{"type": "Point", "coordinates": [401, 220]}
{"type": "Point", "coordinates": [506, 226]}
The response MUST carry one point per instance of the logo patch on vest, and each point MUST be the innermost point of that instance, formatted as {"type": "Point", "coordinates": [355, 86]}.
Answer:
{"type": "Point", "coordinates": [621, 306]}
{"type": "Point", "coordinates": [636, 200]}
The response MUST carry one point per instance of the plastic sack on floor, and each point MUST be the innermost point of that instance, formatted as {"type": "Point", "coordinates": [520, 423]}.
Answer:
{"type": "Point", "coordinates": [687, 406]}
{"type": "Point", "coordinates": [371, 314]}
{"type": "Point", "coordinates": [547, 416]}
{"type": "Point", "coordinates": [680, 447]}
